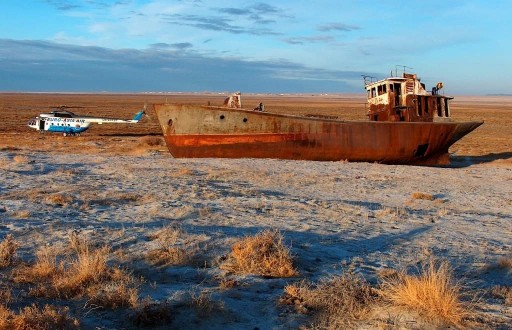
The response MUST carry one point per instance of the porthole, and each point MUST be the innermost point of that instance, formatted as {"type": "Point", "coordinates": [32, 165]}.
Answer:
{"type": "Point", "coordinates": [169, 122]}
{"type": "Point", "coordinates": [245, 120]}
{"type": "Point", "coordinates": [222, 117]}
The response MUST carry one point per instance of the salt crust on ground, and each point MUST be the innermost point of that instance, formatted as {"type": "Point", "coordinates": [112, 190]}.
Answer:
{"type": "Point", "coordinates": [333, 215]}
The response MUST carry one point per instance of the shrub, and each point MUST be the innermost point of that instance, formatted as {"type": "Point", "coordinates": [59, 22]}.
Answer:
{"type": "Point", "coordinates": [85, 273]}
{"type": "Point", "coordinates": [8, 249]}
{"type": "Point", "coordinates": [203, 303]}
{"type": "Point", "coordinates": [22, 214]}
{"type": "Point", "coordinates": [46, 265]}
{"type": "Point", "coordinates": [335, 303]}
{"type": "Point", "coordinates": [150, 314]}
{"type": "Point", "coordinates": [20, 159]}
{"type": "Point", "coordinates": [176, 247]}
{"type": "Point", "coordinates": [503, 292]}
{"type": "Point", "coordinates": [263, 254]}
{"type": "Point", "coordinates": [505, 263]}
{"type": "Point", "coordinates": [58, 199]}
{"type": "Point", "coordinates": [151, 141]}
{"type": "Point", "coordinates": [433, 293]}
{"type": "Point", "coordinates": [32, 317]}
{"type": "Point", "coordinates": [420, 195]}
{"type": "Point", "coordinates": [228, 283]}
{"type": "Point", "coordinates": [119, 290]}
{"type": "Point", "coordinates": [87, 268]}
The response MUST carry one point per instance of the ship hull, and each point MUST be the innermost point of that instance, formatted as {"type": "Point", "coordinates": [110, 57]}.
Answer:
{"type": "Point", "coordinates": [218, 132]}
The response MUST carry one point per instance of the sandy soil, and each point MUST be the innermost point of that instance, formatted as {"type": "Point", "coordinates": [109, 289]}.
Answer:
{"type": "Point", "coordinates": [120, 187]}
{"type": "Point", "coordinates": [489, 143]}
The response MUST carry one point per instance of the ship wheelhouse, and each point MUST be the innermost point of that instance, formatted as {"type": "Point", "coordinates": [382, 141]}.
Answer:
{"type": "Point", "coordinates": [406, 99]}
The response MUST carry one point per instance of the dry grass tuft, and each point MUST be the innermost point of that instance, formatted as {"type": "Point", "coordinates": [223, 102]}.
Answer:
{"type": "Point", "coordinates": [385, 272]}
{"type": "Point", "coordinates": [184, 171]}
{"type": "Point", "coordinates": [8, 249]}
{"type": "Point", "coordinates": [151, 314]}
{"type": "Point", "coordinates": [381, 213]}
{"type": "Point", "coordinates": [4, 163]}
{"type": "Point", "coordinates": [46, 265]}
{"type": "Point", "coordinates": [58, 199]}
{"type": "Point", "coordinates": [119, 290]}
{"type": "Point", "coordinates": [505, 263]}
{"type": "Point", "coordinates": [420, 195]}
{"type": "Point", "coordinates": [85, 273]}
{"type": "Point", "coordinates": [503, 292]}
{"type": "Point", "coordinates": [90, 199]}
{"type": "Point", "coordinates": [228, 283]}
{"type": "Point", "coordinates": [78, 242]}
{"type": "Point", "coordinates": [263, 254]}
{"type": "Point", "coordinates": [433, 293]}
{"type": "Point", "coordinates": [176, 247]}
{"type": "Point", "coordinates": [67, 172]}
{"type": "Point", "coordinates": [127, 197]}
{"type": "Point", "coordinates": [204, 305]}
{"type": "Point", "coordinates": [32, 317]}
{"type": "Point", "coordinates": [22, 214]}
{"type": "Point", "coordinates": [20, 159]}
{"type": "Point", "coordinates": [151, 141]}
{"type": "Point", "coordinates": [146, 144]}
{"type": "Point", "coordinates": [6, 296]}
{"type": "Point", "coordinates": [335, 303]}
{"type": "Point", "coordinates": [86, 269]}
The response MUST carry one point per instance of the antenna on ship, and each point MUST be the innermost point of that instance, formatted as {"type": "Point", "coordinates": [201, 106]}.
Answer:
{"type": "Point", "coordinates": [404, 67]}
{"type": "Point", "coordinates": [368, 79]}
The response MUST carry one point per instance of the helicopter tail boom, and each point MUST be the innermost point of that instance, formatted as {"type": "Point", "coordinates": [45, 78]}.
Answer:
{"type": "Point", "coordinates": [138, 116]}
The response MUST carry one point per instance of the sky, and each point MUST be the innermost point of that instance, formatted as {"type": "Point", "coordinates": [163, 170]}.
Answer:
{"type": "Point", "coordinates": [279, 46]}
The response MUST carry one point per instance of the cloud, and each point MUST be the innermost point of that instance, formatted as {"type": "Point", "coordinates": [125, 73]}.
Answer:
{"type": "Point", "coordinates": [47, 66]}
{"type": "Point", "coordinates": [234, 11]}
{"type": "Point", "coordinates": [251, 19]}
{"type": "Point", "coordinates": [180, 45]}
{"type": "Point", "coordinates": [260, 13]}
{"type": "Point", "coordinates": [304, 40]}
{"type": "Point", "coordinates": [66, 5]}
{"type": "Point", "coordinates": [337, 27]}
{"type": "Point", "coordinates": [63, 4]}
{"type": "Point", "coordinates": [215, 23]}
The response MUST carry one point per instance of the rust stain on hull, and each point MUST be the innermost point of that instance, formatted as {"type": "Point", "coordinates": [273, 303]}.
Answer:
{"type": "Point", "coordinates": [201, 131]}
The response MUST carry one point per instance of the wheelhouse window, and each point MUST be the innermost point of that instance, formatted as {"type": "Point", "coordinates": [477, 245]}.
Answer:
{"type": "Point", "coordinates": [439, 107]}
{"type": "Point", "coordinates": [381, 89]}
{"type": "Point", "coordinates": [446, 109]}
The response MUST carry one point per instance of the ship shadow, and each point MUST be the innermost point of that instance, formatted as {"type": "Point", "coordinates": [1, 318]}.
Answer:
{"type": "Point", "coordinates": [466, 161]}
{"type": "Point", "coordinates": [130, 134]}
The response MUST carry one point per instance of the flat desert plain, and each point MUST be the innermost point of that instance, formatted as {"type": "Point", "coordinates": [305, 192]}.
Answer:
{"type": "Point", "coordinates": [107, 231]}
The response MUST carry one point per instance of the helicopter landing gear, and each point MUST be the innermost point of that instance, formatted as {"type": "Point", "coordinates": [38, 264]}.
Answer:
{"type": "Point", "coordinates": [70, 134]}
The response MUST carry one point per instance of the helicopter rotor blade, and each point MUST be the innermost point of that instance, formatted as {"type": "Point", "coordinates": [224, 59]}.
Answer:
{"type": "Point", "coordinates": [146, 113]}
{"type": "Point", "coordinates": [70, 107]}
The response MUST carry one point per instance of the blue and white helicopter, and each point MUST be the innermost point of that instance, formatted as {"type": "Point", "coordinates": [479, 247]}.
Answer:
{"type": "Point", "coordinates": [66, 122]}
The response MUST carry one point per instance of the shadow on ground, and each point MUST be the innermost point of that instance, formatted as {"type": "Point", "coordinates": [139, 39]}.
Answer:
{"type": "Point", "coordinates": [466, 161]}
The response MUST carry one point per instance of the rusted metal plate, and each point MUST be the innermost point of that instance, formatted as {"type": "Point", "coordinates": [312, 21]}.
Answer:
{"type": "Point", "coordinates": [200, 131]}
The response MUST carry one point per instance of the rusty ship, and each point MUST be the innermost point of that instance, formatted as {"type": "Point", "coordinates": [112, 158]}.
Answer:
{"type": "Point", "coordinates": [406, 125]}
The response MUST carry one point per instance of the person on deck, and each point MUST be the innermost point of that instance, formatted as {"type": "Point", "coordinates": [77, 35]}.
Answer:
{"type": "Point", "coordinates": [260, 107]}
